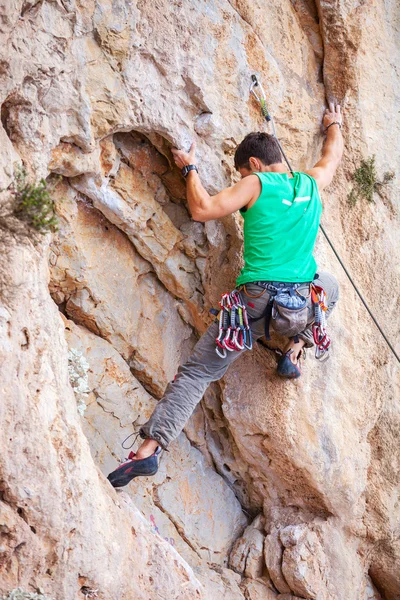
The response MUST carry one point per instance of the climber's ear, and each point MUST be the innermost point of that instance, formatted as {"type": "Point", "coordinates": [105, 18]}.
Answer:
{"type": "Point", "coordinates": [255, 164]}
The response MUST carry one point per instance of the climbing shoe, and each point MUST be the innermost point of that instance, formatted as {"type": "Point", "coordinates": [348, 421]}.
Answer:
{"type": "Point", "coordinates": [288, 369]}
{"type": "Point", "coordinates": [134, 468]}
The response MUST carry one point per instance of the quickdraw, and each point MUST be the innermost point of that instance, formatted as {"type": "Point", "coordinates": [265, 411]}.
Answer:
{"type": "Point", "coordinates": [321, 338]}
{"type": "Point", "coordinates": [234, 331]}
{"type": "Point", "coordinates": [262, 100]}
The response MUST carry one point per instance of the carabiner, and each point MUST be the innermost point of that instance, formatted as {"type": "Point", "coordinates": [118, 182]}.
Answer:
{"type": "Point", "coordinates": [221, 354]}
{"type": "Point", "coordinates": [256, 83]}
{"type": "Point", "coordinates": [262, 99]}
{"type": "Point", "coordinates": [238, 344]}
{"type": "Point", "coordinates": [248, 345]}
{"type": "Point", "coordinates": [227, 342]}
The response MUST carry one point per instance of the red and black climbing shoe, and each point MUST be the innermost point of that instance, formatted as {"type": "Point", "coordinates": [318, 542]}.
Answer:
{"type": "Point", "coordinates": [134, 468]}
{"type": "Point", "coordinates": [286, 368]}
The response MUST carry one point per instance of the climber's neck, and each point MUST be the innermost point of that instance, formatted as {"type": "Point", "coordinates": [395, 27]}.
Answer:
{"type": "Point", "coordinates": [258, 167]}
{"type": "Point", "coordinates": [275, 168]}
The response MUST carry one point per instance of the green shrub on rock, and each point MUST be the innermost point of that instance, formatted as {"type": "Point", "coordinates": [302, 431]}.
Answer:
{"type": "Point", "coordinates": [366, 181]}
{"type": "Point", "coordinates": [33, 203]}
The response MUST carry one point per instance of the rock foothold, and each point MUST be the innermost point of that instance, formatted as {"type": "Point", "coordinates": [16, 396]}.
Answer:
{"type": "Point", "coordinates": [247, 557]}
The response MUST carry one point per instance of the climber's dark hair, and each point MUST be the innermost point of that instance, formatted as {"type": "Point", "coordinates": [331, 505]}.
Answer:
{"type": "Point", "coordinates": [259, 145]}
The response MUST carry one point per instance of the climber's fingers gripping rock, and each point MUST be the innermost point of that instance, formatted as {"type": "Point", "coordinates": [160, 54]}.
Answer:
{"type": "Point", "coordinates": [332, 114]}
{"type": "Point", "coordinates": [183, 158]}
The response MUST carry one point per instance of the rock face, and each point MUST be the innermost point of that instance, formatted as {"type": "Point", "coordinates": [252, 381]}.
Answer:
{"type": "Point", "coordinates": [57, 510]}
{"type": "Point", "coordinates": [275, 489]}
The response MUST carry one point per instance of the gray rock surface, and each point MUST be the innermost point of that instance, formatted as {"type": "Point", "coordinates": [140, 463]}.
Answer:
{"type": "Point", "coordinates": [98, 92]}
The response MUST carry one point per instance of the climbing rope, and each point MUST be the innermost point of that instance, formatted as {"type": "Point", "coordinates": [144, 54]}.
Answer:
{"type": "Point", "coordinates": [359, 294]}
{"type": "Point", "coordinates": [261, 99]}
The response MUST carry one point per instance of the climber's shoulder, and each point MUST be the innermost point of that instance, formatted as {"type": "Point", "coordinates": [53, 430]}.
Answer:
{"type": "Point", "coordinates": [320, 175]}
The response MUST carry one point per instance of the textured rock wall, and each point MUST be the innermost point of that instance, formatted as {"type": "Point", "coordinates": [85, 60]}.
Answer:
{"type": "Point", "coordinates": [275, 489]}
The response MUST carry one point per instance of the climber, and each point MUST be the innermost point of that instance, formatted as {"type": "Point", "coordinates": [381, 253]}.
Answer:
{"type": "Point", "coordinates": [281, 214]}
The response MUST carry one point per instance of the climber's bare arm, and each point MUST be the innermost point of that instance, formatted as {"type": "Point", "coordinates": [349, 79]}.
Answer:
{"type": "Point", "coordinates": [204, 207]}
{"type": "Point", "coordinates": [332, 151]}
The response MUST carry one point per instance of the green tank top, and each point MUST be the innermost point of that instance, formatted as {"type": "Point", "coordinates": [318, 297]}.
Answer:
{"type": "Point", "coordinates": [280, 229]}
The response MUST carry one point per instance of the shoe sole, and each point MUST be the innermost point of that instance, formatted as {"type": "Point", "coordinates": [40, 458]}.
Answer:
{"type": "Point", "coordinates": [122, 477]}
{"type": "Point", "coordinates": [294, 376]}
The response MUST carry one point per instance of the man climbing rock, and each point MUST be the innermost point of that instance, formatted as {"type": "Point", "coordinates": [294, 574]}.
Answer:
{"type": "Point", "coordinates": [281, 213]}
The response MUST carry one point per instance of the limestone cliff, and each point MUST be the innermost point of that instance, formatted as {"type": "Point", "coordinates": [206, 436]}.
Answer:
{"type": "Point", "coordinates": [276, 489]}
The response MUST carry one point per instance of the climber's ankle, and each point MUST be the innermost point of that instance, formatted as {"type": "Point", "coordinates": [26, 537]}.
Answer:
{"type": "Point", "coordinates": [146, 449]}
{"type": "Point", "coordinates": [297, 348]}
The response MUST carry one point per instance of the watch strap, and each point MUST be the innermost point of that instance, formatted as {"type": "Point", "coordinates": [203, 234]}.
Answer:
{"type": "Point", "coordinates": [334, 123]}
{"type": "Point", "coordinates": [187, 168]}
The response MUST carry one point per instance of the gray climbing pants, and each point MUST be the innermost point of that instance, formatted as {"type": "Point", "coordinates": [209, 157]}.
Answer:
{"type": "Point", "coordinates": [205, 366]}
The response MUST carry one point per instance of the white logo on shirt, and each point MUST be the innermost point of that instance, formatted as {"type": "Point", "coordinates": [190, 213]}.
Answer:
{"type": "Point", "coordinates": [298, 199]}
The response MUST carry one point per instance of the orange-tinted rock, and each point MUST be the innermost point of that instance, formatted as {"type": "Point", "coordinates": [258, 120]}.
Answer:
{"type": "Point", "coordinates": [99, 92]}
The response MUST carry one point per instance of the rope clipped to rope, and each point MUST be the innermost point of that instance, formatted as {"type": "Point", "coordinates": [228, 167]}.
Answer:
{"type": "Point", "coordinates": [261, 99]}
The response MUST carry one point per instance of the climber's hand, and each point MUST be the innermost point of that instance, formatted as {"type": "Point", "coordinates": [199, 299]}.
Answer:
{"type": "Point", "coordinates": [182, 158]}
{"type": "Point", "coordinates": [332, 152]}
{"type": "Point", "coordinates": [332, 115]}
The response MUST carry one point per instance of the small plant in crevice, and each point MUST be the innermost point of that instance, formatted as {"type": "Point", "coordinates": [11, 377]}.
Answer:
{"type": "Point", "coordinates": [366, 181]}
{"type": "Point", "coordinates": [78, 368]}
{"type": "Point", "coordinates": [19, 594]}
{"type": "Point", "coordinates": [33, 203]}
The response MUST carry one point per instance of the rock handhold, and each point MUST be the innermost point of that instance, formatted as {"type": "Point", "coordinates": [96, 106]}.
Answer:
{"type": "Point", "coordinates": [288, 597]}
{"type": "Point", "coordinates": [273, 552]}
{"type": "Point", "coordinates": [247, 556]}
{"type": "Point", "coordinates": [304, 563]}
{"type": "Point", "coordinates": [91, 284]}
{"type": "Point", "coordinates": [258, 590]}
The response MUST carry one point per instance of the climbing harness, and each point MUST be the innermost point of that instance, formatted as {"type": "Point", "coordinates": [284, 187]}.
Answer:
{"type": "Point", "coordinates": [286, 308]}
{"type": "Point", "coordinates": [321, 338]}
{"type": "Point", "coordinates": [234, 332]}
{"type": "Point", "coordinates": [267, 116]}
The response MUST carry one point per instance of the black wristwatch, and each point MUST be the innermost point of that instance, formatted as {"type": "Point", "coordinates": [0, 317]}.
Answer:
{"type": "Point", "coordinates": [187, 168]}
